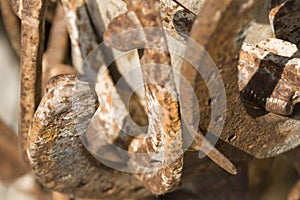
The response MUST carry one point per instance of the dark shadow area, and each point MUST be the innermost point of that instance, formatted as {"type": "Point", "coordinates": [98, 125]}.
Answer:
{"type": "Point", "coordinates": [286, 21]}
{"type": "Point", "coordinates": [262, 84]}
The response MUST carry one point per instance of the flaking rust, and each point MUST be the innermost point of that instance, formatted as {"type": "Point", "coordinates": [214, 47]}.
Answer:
{"type": "Point", "coordinates": [269, 75]}
{"type": "Point", "coordinates": [263, 135]}
{"type": "Point", "coordinates": [82, 35]}
{"type": "Point", "coordinates": [32, 15]}
{"type": "Point", "coordinates": [56, 153]}
{"type": "Point", "coordinates": [55, 53]}
{"type": "Point", "coordinates": [69, 104]}
{"type": "Point", "coordinates": [273, 64]}
{"type": "Point", "coordinates": [164, 123]}
{"type": "Point", "coordinates": [284, 17]}
{"type": "Point", "coordinates": [57, 156]}
{"type": "Point", "coordinates": [163, 135]}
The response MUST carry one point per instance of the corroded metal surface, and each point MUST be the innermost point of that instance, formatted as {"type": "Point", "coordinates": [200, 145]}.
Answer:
{"type": "Point", "coordinates": [82, 35]}
{"type": "Point", "coordinates": [56, 50]}
{"type": "Point", "coordinates": [57, 156]}
{"type": "Point", "coordinates": [32, 14]}
{"type": "Point", "coordinates": [83, 38]}
{"type": "Point", "coordinates": [164, 133]}
{"type": "Point", "coordinates": [138, 18]}
{"type": "Point", "coordinates": [268, 75]}
{"type": "Point", "coordinates": [164, 120]}
{"type": "Point", "coordinates": [284, 18]}
{"type": "Point", "coordinates": [192, 6]}
{"type": "Point", "coordinates": [176, 20]}
{"type": "Point", "coordinates": [222, 26]}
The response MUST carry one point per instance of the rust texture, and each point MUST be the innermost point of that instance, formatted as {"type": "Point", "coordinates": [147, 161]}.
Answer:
{"type": "Point", "coordinates": [175, 20]}
{"type": "Point", "coordinates": [32, 41]}
{"type": "Point", "coordinates": [16, 7]}
{"type": "Point", "coordinates": [56, 50]}
{"type": "Point", "coordinates": [57, 156]}
{"type": "Point", "coordinates": [268, 75]}
{"type": "Point", "coordinates": [58, 38]}
{"type": "Point", "coordinates": [93, 182]}
{"type": "Point", "coordinates": [284, 18]}
{"type": "Point", "coordinates": [73, 121]}
{"type": "Point", "coordinates": [164, 124]}
{"type": "Point", "coordinates": [201, 144]}
{"type": "Point", "coordinates": [164, 133]}
{"type": "Point", "coordinates": [82, 35]}
{"type": "Point", "coordinates": [138, 19]}
{"type": "Point", "coordinates": [193, 6]}
{"type": "Point", "coordinates": [263, 136]}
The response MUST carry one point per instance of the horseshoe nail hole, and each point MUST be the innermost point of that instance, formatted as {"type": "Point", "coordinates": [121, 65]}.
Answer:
{"type": "Point", "coordinates": [209, 101]}
{"type": "Point", "coordinates": [140, 53]}
{"type": "Point", "coordinates": [212, 100]}
{"type": "Point", "coordinates": [183, 21]}
{"type": "Point", "coordinates": [231, 138]}
{"type": "Point", "coordinates": [81, 184]}
{"type": "Point", "coordinates": [155, 162]}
